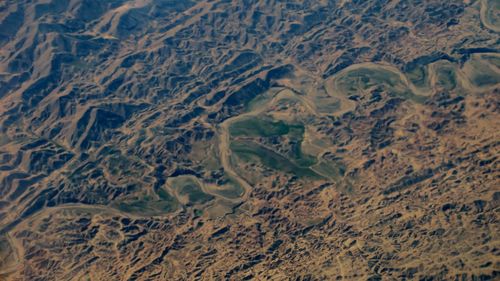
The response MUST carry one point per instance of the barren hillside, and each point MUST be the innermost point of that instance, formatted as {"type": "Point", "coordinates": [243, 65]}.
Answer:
{"type": "Point", "coordinates": [249, 140]}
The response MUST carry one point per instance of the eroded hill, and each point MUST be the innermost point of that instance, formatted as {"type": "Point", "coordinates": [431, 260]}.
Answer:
{"type": "Point", "coordinates": [238, 140]}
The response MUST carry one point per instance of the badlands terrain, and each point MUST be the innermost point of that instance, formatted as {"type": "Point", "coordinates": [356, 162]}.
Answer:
{"type": "Point", "coordinates": [249, 140]}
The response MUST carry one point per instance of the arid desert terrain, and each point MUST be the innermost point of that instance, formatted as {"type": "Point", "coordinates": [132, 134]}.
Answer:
{"type": "Point", "coordinates": [249, 140]}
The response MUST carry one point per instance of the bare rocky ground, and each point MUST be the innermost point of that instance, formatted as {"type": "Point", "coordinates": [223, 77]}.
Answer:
{"type": "Point", "coordinates": [377, 160]}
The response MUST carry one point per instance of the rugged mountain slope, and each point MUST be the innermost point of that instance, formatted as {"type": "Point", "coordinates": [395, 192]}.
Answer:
{"type": "Point", "coordinates": [304, 140]}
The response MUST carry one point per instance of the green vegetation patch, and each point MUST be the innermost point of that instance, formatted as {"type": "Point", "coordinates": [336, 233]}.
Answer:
{"type": "Point", "coordinates": [259, 127]}
{"type": "Point", "coordinates": [333, 170]}
{"type": "Point", "coordinates": [147, 205]}
{"type": "Point", "coordinates": [492, 14]}
{"type": "Point", "coordinates": [302, 159]}
{"type": "Point", "coordinates": [195, 194]}
{"type": "Point", "coordinates": [482, 75]}
{"type": "Point", "coordinates": [295, 161]}
{"type": "Point", "coordinates": [446, 77]}
{"type": "Point", "coordinates": [362, 79]}
{"type": "Point", "coordinates": [186, 186]}
{"type": "Point", "coordinates": [164, 195]}
{"type": "Point", "coordinates": [419, 76]}
{"type": "Point", "coordinates": [250, 151]}
{"type": "Point", "coordinates": [229, 189]}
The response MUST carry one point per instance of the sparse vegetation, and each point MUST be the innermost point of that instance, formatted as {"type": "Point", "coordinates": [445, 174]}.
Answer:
{"type": "Point", "coordinates": [149, 206]}
{"type": "Point", "coordinates": [249, 140]}
{"type": "Point", "coordinates": [293, 161]}
{"type": "Point", "coordinates": [481, 74]}
{"type": "Point", "coordinates": [361, 79]}
{"type": "Point", "coordinates": [250, 151]}
{"type": "Point", "coordinates": [257, 127]}
{"type": "Point", "coordinates": [229, 189]}
{"type": "Point", "coordinates": [419, 76]}
{"type": "Point", "coordinates": [189, 190]}
{"type": "Point", "coordinates": [446, 77]}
